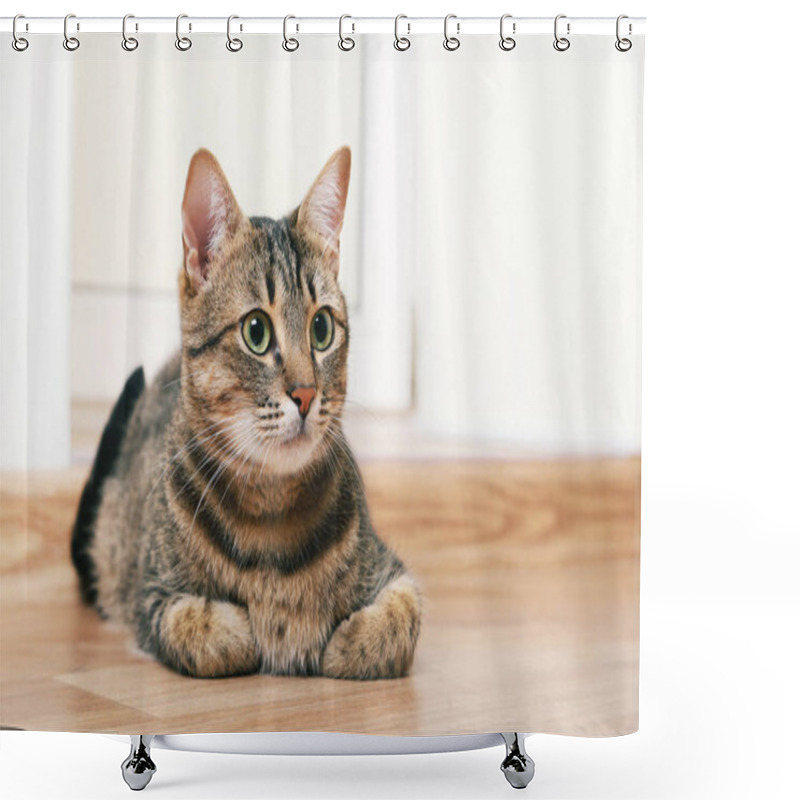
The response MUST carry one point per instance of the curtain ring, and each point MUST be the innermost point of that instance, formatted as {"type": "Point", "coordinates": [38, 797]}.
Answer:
{"type": "Point", "coordinates": [129, 43]}
{"type": "Point", "coordinates": [183, 43]}
{"type": "Point", "coordinates": [290, 44]}
{"type": "Point", "coordinates": [234, 45]}
{"type": "Point", "coordinates": [623, 45]}
{"type": "Point", "coordinates": [346, 43]}
{"type": "Point", "coordinates": [401, 42]}
{"type": "Point", "coordinates": [19, 43]}
{"type": "Point", "coordinates": [507, 42]}
{"type": "Point", "coordinates": [561, 43]}
{"type": "Point", "coordinates": [71, 43]}
{"type": "Point", "coordinates": [451, 43]}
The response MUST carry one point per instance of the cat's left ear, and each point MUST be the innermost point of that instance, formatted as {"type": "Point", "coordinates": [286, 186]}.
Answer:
{"type": "Point", "coordinates": [210, 217]}
{"type": "Point", "coordinates": [321, 213]}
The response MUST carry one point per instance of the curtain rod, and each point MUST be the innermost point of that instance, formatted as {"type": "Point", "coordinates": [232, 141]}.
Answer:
{"type": "Point", "coordinates": [326, 25]}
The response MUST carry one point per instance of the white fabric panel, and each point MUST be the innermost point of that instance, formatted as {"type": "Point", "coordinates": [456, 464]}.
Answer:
{"type": "Point", "coordinates": [528, 256]}
{"type": "Point", "coordinates": [35, 245]}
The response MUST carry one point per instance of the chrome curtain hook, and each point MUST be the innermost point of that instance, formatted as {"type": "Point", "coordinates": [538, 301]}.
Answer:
{"type": "Point", "coordinates": [561, 43]}
{"type": "Point", "coordinates": [401, 42]}
{"type": "Point", "coordinates": [346, 43]}
{"type": "Point", "coordinates": [623, 45]}
{"type": "Point", "coordinates": [451, 42]}
{"type": "Point", "coordinates": [234, 45]}
{"type": "Point", "coordinates": [129, 43]}
{"type": "Point", "coordinates": [507, 42]}
{"type": "Point", "coordinates": [71, 43]}
{"type": "Point", "coordinates": [290, 44]}
{"type": "Point", "coordinates": [19, 43]}
{"type": "Point", "coordinates": [183, 43]}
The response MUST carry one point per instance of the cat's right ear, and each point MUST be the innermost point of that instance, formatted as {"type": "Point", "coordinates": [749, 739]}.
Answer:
{"type": "Point", "coordinates": [210, 217]}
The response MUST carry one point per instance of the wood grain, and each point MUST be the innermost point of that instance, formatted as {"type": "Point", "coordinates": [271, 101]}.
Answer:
{"type": "Point", "coordinates": [530, 571]}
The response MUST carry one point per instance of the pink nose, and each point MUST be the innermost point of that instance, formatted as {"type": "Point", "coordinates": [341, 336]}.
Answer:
{"type": "Point", "coordinates": [302, 396]}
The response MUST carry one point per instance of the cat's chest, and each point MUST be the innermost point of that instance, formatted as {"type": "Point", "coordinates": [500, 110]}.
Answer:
{"type": "Point", "coordinates": [293, 613]}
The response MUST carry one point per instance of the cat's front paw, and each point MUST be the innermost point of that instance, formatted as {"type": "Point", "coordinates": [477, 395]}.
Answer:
{"type": "Point", "coordinates": [208, 638]}
{"type": "Point", "coordinates": [379, 640]}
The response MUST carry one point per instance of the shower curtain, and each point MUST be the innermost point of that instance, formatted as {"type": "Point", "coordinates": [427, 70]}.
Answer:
{"type": "Point", "coordinates": [320, 383]}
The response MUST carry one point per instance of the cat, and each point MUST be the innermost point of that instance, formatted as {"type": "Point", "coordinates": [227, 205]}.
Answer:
{"type": "Point", "coordinates": [224, 520]}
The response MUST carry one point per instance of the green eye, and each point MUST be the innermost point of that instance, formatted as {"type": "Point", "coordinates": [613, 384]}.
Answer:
{"type": "Point", "coordinates": [257, 332]}
{"type": "Point", "coordinates": [322, 329]}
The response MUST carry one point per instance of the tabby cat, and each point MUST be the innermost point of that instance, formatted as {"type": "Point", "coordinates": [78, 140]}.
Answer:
{"type": "Point", "coordinates": [224, 520]}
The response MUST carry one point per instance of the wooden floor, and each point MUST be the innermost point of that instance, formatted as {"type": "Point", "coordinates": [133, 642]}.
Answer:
{"type": "Point", "coordinates": [530, 572]}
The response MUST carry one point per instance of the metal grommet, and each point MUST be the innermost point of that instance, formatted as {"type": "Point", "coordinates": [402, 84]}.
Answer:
{"type": "Point", "coordinates": [561, 43]}
{"type": "Point", "coordinates": [401, 43]}
{"type": "Point", "coordinates": [234, 45]}
{"type": "Point", "coordinates": [19, 43]}
{"type": "Point", "coordinates": [507, 42]}
{"type": "Point", "coordinates": [71, 43]}
{"type": "Point", "coordinates": [183, 43]}
{"type": "Point", "coordinates": [622, 44]}
{"type": "Point", "coordinates": [290, 44]}
{"type": "Point", "coordinates": [451, 43]}
{"type": "Point", "coordinates": [129, 43]}
{"type": "Point", "coordinates": [346, 43]}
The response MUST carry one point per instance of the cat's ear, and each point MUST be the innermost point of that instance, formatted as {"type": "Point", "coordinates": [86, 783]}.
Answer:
{"type": "Point", "coordinates": [210, 216]}
{"type": "Point", "coordinates": [321, 213]}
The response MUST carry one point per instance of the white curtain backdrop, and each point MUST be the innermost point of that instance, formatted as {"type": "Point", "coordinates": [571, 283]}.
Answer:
{"type": "Point", "coordinates": [36, 229]}
{"type": "Point", "coordinates": [494, 292]}
{"type": "Point", "coordinates": [528, 249]}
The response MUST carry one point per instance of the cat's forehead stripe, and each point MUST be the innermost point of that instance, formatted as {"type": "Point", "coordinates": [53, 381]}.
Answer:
{"type": "Point", "coordinates": [280, 257]}
{"type": "Point", "coordinates": [297, 271]}
{"type": "Point", "coordinates": [284, 256]}
{"type": "Point", "coordinates": [271, 288]}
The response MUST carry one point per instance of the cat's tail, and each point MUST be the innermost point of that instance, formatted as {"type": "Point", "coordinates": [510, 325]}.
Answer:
{"type": "Point", "coordinates": [107, 453]}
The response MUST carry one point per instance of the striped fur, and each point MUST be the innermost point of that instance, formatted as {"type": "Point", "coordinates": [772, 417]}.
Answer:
{"type": "Point", "coordinates": [231, 532]}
